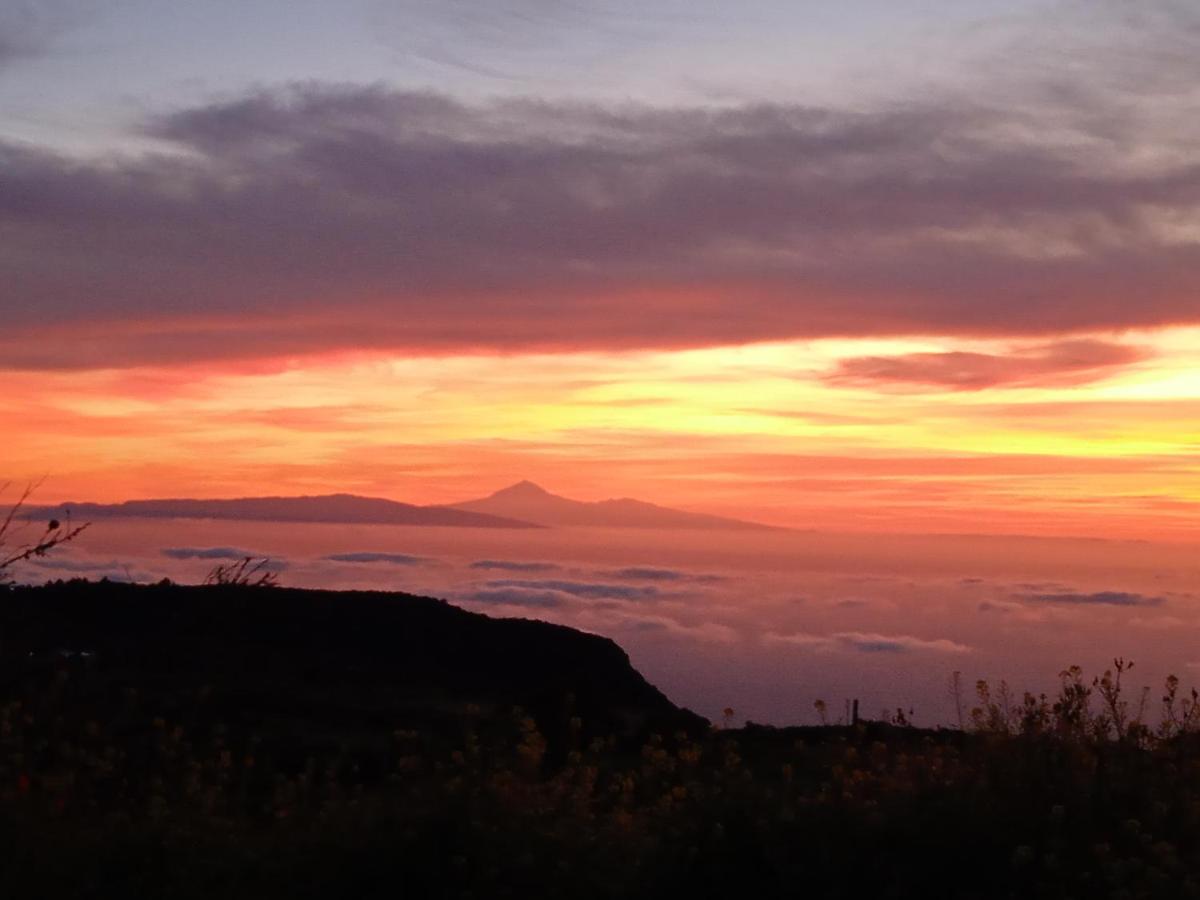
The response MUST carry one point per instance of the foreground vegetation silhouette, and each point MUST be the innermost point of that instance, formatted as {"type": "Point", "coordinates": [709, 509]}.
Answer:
{"type": "Point", "coordinates": [248, 742]}
{"type": "Point", "coordinates": [14, 549]}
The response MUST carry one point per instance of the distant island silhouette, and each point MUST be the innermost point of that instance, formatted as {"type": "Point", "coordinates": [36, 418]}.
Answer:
{"type": "Point", "coordinates": [530, 502]}
{"type": "Point", "coordinates": [521, 505]}
{"type": "Point", "coordinates": [326, 508]}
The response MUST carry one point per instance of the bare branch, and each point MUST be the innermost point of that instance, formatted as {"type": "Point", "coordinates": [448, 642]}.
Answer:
{"type": "Point", "coordinates": [248, 572]}
{"type": "Point", "coordinates": [56, 533]}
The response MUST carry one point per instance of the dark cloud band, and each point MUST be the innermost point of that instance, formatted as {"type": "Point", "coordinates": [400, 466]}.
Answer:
{"type": "Point", "coordinates": [1099, 598]}
{"type": "Point", "coordinates": [314, 219]}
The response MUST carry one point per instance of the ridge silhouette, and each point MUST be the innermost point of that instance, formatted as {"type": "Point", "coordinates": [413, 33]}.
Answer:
{"type": "Point", "coordinates": [530, 502]}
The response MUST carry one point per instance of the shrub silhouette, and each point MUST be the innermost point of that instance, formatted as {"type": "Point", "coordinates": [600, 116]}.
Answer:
{"type": "Point", "coordinates": [55, 533]}
{"type": "Point", "coordinates": [141, 773]}
{"type": "Point", "coordinates": [247, 572]}
{"type": "Point", "coordinates": [1075, 715]}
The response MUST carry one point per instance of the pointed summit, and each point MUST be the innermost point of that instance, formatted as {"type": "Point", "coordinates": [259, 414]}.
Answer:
{"type": "Point", "coordinates": [523, 489]}
{"type": "Point", "coordinates": [530, 502]}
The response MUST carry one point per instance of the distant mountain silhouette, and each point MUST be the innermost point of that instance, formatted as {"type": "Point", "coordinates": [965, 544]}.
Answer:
{"type": "Point", "coordinates": [331, 508]}
{"type": "Point", "coordinates": [531, 503]}
{"type": "Point", "coordinates": [522, 505]}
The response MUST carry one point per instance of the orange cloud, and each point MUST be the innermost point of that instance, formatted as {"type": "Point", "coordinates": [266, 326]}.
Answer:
{"type": "Point", "coordinates": [1051, 365]}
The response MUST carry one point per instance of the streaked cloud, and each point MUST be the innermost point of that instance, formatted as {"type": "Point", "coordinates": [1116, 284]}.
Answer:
{"type": "Point", "coordinates": [863, 642]}
{"type": "Point", "coordinates": [516, 596]}
{"type": "Point", "coordinates": [1098, 598]}
{"type": "Point", "coordinates": [511, 565]}
{"type": "Point", "coordinates": [393, 559]}
{"type": "Point", "coordinates": [659, 574]}
{"type": "Point", "coordinates": [209, 553]}
{"type": "Point", "coordinates": [705, 632]}
{"type": "Point", "coordinates": [1059, 364]}
{"type": "Point", "coordinates": [584, 589]}
{"type": "Point", "coordinates": [224, 553]}
{"type": "Point", "coordinates": [37, 570]}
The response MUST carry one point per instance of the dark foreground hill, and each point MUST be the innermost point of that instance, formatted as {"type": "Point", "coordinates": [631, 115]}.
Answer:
{"type": "Point", "coordinates": [196, 743]}
{"type": "Point", "coordinates": [309, 669]}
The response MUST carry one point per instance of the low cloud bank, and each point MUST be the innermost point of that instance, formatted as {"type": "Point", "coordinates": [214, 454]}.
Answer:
{"type": "Point", "coordinates": [394, 559]}
{"type": "Point", "coordinates": [862, 642]}
{"type": "Point", "coordinates": [508, 565]}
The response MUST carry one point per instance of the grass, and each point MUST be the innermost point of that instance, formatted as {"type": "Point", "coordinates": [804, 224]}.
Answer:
{"type": "Point", "coordinates": [237, 742]}
{"type": "Point", "coordinates": [111, 785]}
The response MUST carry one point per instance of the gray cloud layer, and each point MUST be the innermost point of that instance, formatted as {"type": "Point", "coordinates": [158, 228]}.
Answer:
{"type": "Point", "coordinates": [516, 597]}
{"type": "Point", "coordinates": [314, 218]}
{"type": "Point", "coordinates": [584, 589]}
{"type": "Point", "coordinates": [861, 642]}
{"type": "Point", "coordinates": [28, 27]}
{"type": "Point", "coordinates": [509, 565]}
{"type": "Point", "coordinates": [1099, 598]}
{"type": "Point", "coordinates": [394, 559]}
{"type": "Point", "coordinates": [654, 573]}
{"type": "Point", "coordinates": [223, 553]}
{"type": "Point", "coordinates": [208, 553]}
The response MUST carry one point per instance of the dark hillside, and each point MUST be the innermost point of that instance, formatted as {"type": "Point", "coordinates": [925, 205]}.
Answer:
{"type": "Point", "coordinates": [266, 743]}
{"type": "Point", "coordinates": [303, 667]}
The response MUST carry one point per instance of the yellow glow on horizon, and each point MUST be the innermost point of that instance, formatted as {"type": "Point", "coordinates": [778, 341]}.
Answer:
{"type": "Point", "coordinates": [756, 430]}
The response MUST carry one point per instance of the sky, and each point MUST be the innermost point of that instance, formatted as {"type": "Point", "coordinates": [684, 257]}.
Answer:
{"type": "Point", "coordinates": [864, 266]}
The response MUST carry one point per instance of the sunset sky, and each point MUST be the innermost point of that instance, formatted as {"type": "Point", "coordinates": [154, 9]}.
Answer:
{"type": "Point", "coordinates": [928, 266]}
